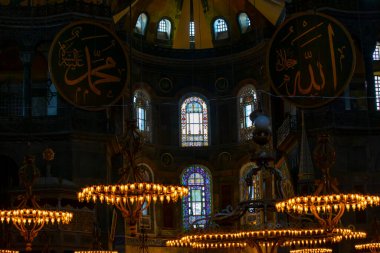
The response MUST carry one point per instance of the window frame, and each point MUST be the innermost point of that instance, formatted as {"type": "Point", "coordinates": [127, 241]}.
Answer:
{"type": "Point", "coordinates": [242, 117]}
{"type": "Point", "coordinates": [205, 141]}
{"type": "Point", "coordinates": [144, 96]}
{"type": "Point", "coordinates": [225, 35]}
{"type": "Point", "coordinates": [207, 185]}
{"type": "Point", "coordinates": [144, 29]}
{"type": "Point", "coordinates": [248, 28]}
{"type": "Point", "coordinates": [168, 33]}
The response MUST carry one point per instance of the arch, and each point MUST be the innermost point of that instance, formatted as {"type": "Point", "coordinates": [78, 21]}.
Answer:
{"type": "Point", "coordinates": [244, 22]}
{"type": "Point", "coordinates": [247, 103]}
{"type": "Point", "coordinates": [194, 122]}
{"type": "Point", "coordinates": [142, 110]}
{"type": "Point", "coordinates": [220, 29]}
{"type": "Point", "coordinates": [141, 24]}
{"type": "Point", "coordinates": [197, 206]}
{"type": "Point", "coordinates": [164, 29]}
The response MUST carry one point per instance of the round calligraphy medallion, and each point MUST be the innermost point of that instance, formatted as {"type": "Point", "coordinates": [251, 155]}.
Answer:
{"type": "Point", "coordinates": [311, 59]}
{"type": "Point", "coordinates": [88, 65]}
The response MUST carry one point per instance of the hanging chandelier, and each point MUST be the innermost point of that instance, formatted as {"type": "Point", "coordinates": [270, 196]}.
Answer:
{"type": "Point", "coordinates": [8, 251]}
{"type": "Point", "coordinates": [28, 217]}
{"type": "Point", "coordinates": [372, 247]}
{"type": "Point", "coordinates": [132, 194]}
{"type": "Point", "coordinates": [327, 204]}
{"type": "Point", "coordinates": [312, 250]}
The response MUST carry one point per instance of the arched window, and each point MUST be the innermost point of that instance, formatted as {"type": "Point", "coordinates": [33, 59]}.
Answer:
{"type": "Point", "coordinates": [194, 122]}
{"type": "Point", "coordinates": [142, 108]}
{"type": "Point", "coordinates": [196, 207]}
{"type": "Point", "coordinates": [244, 22]}
{"type": "Point", "coordinates": [220, 29]}
{"type": "Point", "coordinates": [141, 24]}
{"type": "Point", "coordinates": [251, 189]}
{"type": "Point", "coordinates": [247, 100]}
{"type": "Point", "coordinates": [164, 29]}
{"type": "Point", "coordinates": [376, 53]}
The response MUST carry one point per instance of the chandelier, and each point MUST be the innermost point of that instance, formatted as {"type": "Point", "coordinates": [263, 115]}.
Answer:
{"type": "Point", "coordinates": [327, 204]}
{"type": "Point", "coordinates": [312, 250]}
{"type": "Point", "coordinates": [8, 251]}
{"type": "Point", "coordinates": [373, 247]}
{"type": "Point", "coordinates": [28, 217]}
{"type": "Point", "coordinates": [132, 194]}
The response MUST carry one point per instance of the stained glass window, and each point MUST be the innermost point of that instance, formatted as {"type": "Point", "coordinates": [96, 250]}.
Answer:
{"type": "Point", "coordinates": [141, 24]}
{"type": "Point", "coordinates": [141, 102]}
{"type": "Point", "coordinates": [376, 53]}
{"type": "Point", "coordinates": [196, 207]}
{"type": "Point", "coordinates": [194, 122]}
{"type": "Point", "coordinates": [247, 99]}
{"type": "Point", "coordinates": [244, 22]}
{"type": "Point", "coordinates": [220, 29]}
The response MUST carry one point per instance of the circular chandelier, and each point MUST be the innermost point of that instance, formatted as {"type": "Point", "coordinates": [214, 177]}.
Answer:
{"type": "Point", "coordinates": [36, 217]}
{"type": "Point", "coordinates": [95, 251]}
{"type": "Point", "coordinates": [8, 251]}
{"type": "Point", "coordinates": [334, 205]}
{"type": "Point", "coordinates": [312, 250]}
{"type": "Point", "coordinates": [327, 204]}
{"type": "Point", "coordinates": [368, 247]}
{"type": "Point", "coordinates": [121, 195]}
{"type": "Point", "coordinates": [133, 193]}
{"type": "Point", "coordinates": [269, 238]}
{"type": "Point", "coordinates": [29, 221]}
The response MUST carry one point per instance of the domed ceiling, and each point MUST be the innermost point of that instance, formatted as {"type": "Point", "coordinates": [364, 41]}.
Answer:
{"type": "Point", "coordinates": [203, 14]}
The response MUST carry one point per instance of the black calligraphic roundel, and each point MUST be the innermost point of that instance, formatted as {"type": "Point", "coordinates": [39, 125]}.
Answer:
{"type": "Point", "coordinates": [311, 59]}
{"type": "Point", "coordinates": [88, 65]}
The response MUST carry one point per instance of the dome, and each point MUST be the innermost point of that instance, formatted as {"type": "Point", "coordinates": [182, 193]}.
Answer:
{"type": "Point", "coordinates": [189, 24]}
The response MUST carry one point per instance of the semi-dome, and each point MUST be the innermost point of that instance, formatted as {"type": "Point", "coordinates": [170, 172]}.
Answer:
{"type": "Point", "coordinates": [198, 24]}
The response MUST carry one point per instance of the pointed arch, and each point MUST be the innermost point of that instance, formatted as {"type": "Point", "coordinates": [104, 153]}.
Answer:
{"type": "Point", "coordinates": [197, 206]}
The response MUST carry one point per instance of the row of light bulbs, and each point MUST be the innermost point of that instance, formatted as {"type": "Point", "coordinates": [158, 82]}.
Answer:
{"type": "Point", "coordinates": [132, 193]}
{"type": "Point", "coordinates": [35, 216]}
{"type": "Point", "coordinates": [312, 250]}
{"type": "Point", "coordinates": [327, 203]}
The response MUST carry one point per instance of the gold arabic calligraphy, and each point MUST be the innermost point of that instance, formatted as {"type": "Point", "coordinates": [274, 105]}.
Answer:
{"type": "Point", "coordinates": [306, 75]}
{"type": "Point", "coordinates": [73, 58]}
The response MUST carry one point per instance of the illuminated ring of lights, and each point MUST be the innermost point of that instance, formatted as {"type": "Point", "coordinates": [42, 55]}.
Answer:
{"type": "Point", "coordinates": [131, 193]}
{"type": "Point", "coordinates": [95, 251]}
{"type": "Point", "coordinates": [327, 203]}
{"type": "Point", "coordinates": [8, 251]}
{"type": "Point", "coordinates": [368, 246]}
{"type": "Point", "coordinates": [218, 245]}
{"type": "Point", "coordinates": [336, 236]}
{"type": "Point", "coordinates": [312, 250]}
{"type": "Point", "coordinates": [206, 245]}
{"type": "Point", "coordinates": [35, 216]}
